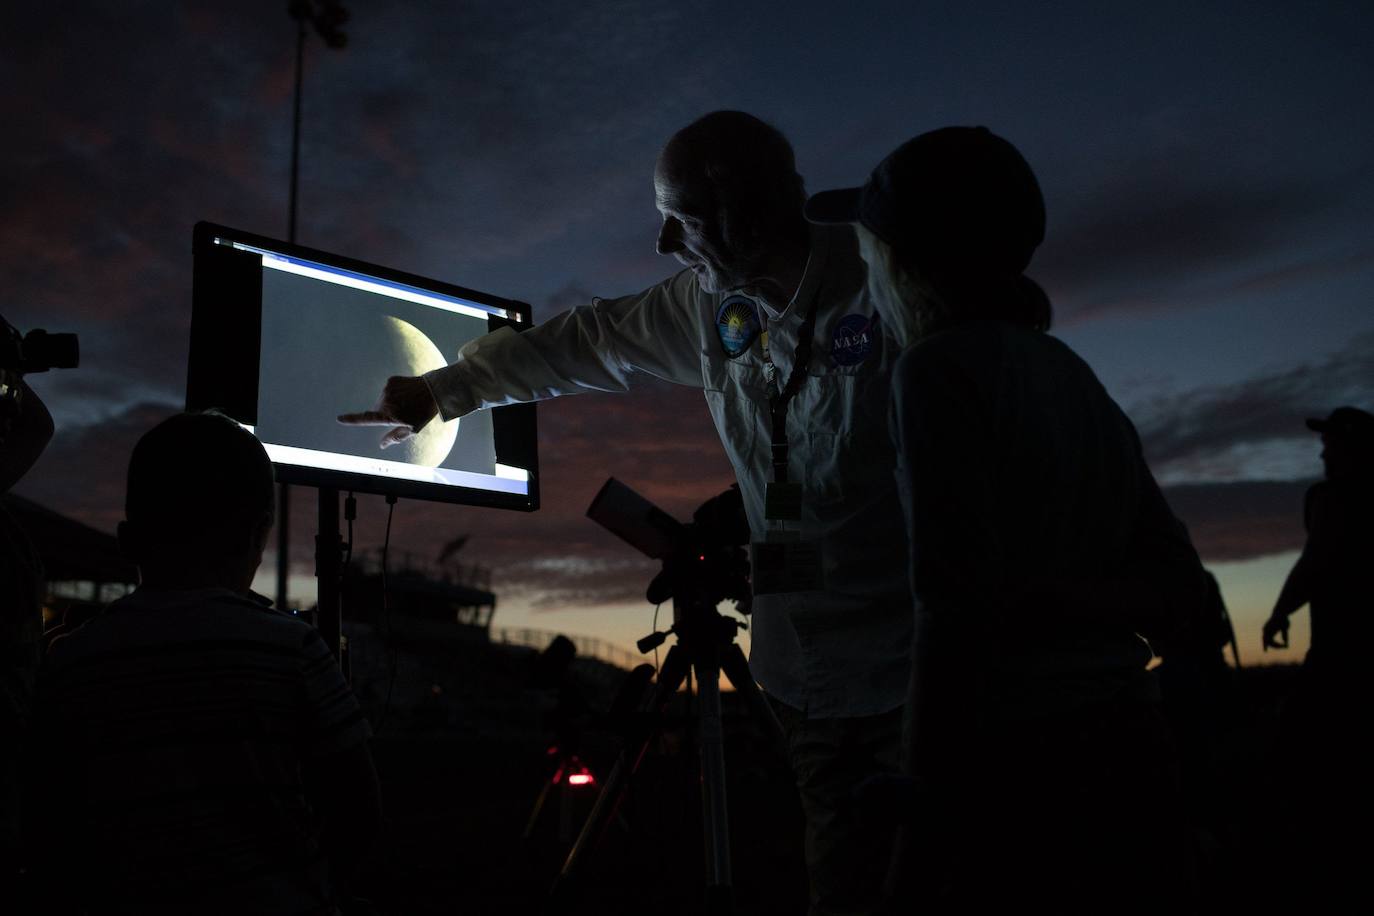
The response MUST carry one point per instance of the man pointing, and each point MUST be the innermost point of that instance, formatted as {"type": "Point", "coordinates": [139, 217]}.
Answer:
{"type": "Point", "coordinates": [772, 319]}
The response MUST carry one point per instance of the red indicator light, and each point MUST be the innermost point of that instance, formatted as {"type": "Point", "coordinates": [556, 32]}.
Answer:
{"type": "Point", "coordinates": [702, 558]}
{"type": "Point", "coordinates": [581, 779]}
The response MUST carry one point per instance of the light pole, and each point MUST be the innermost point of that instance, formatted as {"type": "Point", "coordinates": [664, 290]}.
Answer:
{"type": "Point", "coordinates": [327, 17]}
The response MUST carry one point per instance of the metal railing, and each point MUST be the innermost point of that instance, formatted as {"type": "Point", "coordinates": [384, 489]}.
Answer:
{"type": "Point", "coordinates": [587, 646]}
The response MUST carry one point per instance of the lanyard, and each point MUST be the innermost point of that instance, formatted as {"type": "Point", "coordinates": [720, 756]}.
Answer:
{"type": "Point", "coordinates": [778, 401]}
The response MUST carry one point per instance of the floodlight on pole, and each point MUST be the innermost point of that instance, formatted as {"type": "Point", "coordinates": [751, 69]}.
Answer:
{"type": "Point", "coordinates": [327, 18]}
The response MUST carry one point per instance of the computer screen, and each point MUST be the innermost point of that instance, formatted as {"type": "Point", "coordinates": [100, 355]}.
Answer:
{"type": "Point", "coordinates": [286, 338]}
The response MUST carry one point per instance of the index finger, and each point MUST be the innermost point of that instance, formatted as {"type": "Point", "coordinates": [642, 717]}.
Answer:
{"type": "Point", "coordinates": [367, 418]}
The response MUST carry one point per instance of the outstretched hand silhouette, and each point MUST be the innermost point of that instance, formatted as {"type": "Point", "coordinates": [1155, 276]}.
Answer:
{"type": "Point", "coordinates": [1276, 633]}
{"type": "Point", "coordinates": [406, 405]}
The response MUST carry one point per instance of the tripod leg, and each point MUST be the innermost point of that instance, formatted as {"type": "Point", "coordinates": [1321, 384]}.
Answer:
{"type": "Point", "coordinates": [715, 818]}
{"type": "Point", "coordinates": [674, 671]}
{"type": "Point", "coordinates": [736, 668]}
{"type": "Point", "coordinates": [537, 810]}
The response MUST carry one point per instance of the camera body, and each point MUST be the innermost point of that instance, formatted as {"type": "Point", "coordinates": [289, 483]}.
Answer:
{"type": "Point", "coordinates": [703, 557]}
{"type": "Point", "coordinates": [37, 351]}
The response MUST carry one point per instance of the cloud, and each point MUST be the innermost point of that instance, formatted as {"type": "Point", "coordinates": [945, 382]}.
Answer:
{"type": "Point", "coordinates": [1191, 205]}
{"type": "Point", "coordinates": [485, 143]}
{"type": "Point", "coordinates": [555, 583]}
{"type": "Point", "coordinates": [439, 143]}
{"type": "Point", "coordinates": [82, 471]}
{"type": "Point", "coordinates": [1192, 427]}
{"type": "Point", "coordinates": [1241, 520]}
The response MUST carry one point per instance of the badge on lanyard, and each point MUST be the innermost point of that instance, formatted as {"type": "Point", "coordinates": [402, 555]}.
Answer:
{"type": "Point", "coordinates": [737, 323]}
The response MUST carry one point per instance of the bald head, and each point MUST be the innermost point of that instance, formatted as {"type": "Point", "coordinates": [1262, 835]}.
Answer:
{"type": "Point", "coordinates": [731, 199]}
{"type": "Point", "coordinates": [746, 164]}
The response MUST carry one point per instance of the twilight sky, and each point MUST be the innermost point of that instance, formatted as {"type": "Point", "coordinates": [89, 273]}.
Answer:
{"type": "Point", "coordinates": [1207, 168]}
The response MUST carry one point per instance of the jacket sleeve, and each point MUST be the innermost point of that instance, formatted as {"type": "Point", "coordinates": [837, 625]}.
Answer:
{"type": "Point", "coordinates": [596, 347]}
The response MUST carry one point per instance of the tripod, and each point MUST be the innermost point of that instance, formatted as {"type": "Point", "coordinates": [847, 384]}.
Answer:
{"type": "Point", "coordinates": [705, 647]}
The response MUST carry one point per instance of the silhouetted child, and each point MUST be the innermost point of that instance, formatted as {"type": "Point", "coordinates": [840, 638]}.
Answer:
{"type": "Point", "coordinates": [199, 751]}
{"type": "Point", "coordinates": [1040, 549]}
{"type": "Point", "coordinates": [26, 428]}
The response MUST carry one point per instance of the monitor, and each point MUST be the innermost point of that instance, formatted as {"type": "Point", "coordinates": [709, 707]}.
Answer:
{"type": "Point", "coordinates": [285, 338]}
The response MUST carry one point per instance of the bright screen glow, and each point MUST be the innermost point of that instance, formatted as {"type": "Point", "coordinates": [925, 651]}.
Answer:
{"type": "Point", "coordinates": [330, 339]}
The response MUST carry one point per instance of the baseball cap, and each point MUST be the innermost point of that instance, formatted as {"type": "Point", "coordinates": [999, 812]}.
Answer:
{"type": "Point", "coordinates": [1349, 423]}
{"type": "Point", "coordinates": [960, 194]}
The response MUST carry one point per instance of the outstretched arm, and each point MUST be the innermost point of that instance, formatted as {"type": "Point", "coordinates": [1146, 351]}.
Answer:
{"type": "Point", "coordinates": [597, 347]}
{"type": "Point", "coordinates": [1295, 592]}
{"type": "Point", "coordinates": [1297, 588]}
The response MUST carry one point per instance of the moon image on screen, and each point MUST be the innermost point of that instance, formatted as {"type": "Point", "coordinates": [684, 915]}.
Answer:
{"type": "Point", "coordinates": [409, 352]}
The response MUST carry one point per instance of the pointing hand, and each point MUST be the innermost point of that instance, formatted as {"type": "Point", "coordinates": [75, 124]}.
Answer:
{"type": "Point", "coordinates": [406, 405]}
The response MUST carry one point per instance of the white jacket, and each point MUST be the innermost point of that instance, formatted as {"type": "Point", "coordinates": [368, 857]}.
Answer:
{"type": "Point", "coordinates": [843, 651]}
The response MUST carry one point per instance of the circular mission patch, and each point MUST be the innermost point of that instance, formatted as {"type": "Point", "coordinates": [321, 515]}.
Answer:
{"type": "Point", "coordinates": [737, 323]}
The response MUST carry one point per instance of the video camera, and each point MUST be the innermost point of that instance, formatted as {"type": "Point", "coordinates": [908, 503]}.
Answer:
{"type": "Point", "coordinates": [36, 351]}
{"type": "Point", "coordinates": [705, 557]}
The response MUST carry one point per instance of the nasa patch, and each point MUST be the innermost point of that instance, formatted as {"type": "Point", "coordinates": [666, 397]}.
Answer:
{"type": "Point", "coordinates": [853, 338]}
{"type": "Point", "coordinates": [737, 323]}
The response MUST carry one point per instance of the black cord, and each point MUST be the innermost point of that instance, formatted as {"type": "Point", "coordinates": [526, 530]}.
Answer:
{"type": "Point", "coordinates": [386, 616]}
{"type": "Point", "coordinates": [654, 629]}
{"type": "Point", "coordinates": [350, 513]}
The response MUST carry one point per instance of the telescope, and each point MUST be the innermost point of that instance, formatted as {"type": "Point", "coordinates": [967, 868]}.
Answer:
{"type": "Point", "coordinates": [706, 554]}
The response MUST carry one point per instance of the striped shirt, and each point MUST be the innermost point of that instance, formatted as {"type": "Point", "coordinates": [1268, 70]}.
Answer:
{"type": "Point", "coordinates": [172, 732]}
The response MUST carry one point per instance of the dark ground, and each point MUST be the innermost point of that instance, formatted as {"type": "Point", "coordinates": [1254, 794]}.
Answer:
{"type": "Point", "coordinates": [462, 769]}
{"type": "Point", "coordinates": [463, 766]}
{"type": "Point", "coordinates": [461, 748]}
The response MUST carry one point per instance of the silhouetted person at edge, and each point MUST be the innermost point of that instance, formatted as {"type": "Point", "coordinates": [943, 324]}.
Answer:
{"type": "Point", "coordinates": [772, 319]}
{"type": "Point", "coordinates": [1323, 774]}
{"type": "Point", "coordinates": [197, 751]}
{"type": "Point", "coordinates": [26, 427]}
{"type": "Point", "coordinates": [1040, 546]}
{"type": "Point", "coordinates": [1334, 574]}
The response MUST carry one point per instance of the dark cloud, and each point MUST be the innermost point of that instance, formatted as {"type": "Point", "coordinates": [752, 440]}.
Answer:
{"type": "Point", "coordinates": [440, 143]}
{"type": "Point", "coordinates": [1179, 234]}
{"type": "Point", "coordinates": [1265, 408]}
{"type": "Point", "coordinates": [1241, 520]}
{"type": "Point", "coordinates": [82, 471]}
{"type": "Point", "coordinates": [508, 147]}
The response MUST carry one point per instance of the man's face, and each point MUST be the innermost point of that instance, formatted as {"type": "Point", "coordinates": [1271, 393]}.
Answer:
{"type": "Point", "coordinates": [693, 229]}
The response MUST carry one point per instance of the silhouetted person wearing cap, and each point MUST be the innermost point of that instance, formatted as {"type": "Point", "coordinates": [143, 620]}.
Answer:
{"type": "Point", "coordinates": [1040, 548]}
{"type": "Point", "coordinates": [1334, 575]}
{"type": "Point", "coordinates": [1324, 788]}
{"type": "Point", "coordinates": [199, 752]}
{"type": "Point", "coordinates": [26, 427]}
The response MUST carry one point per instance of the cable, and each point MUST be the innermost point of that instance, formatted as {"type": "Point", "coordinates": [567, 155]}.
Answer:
{"type": "Point", "coordinates": [350, 513]}
{"type": "Point", "coordinates": [386, 616]}
{"type": "Point", "coordinates": [654, 629]}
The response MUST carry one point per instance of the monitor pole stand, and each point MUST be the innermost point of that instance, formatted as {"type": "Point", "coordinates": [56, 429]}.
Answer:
{"type": "Point", "coordinates": [329, 571]}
